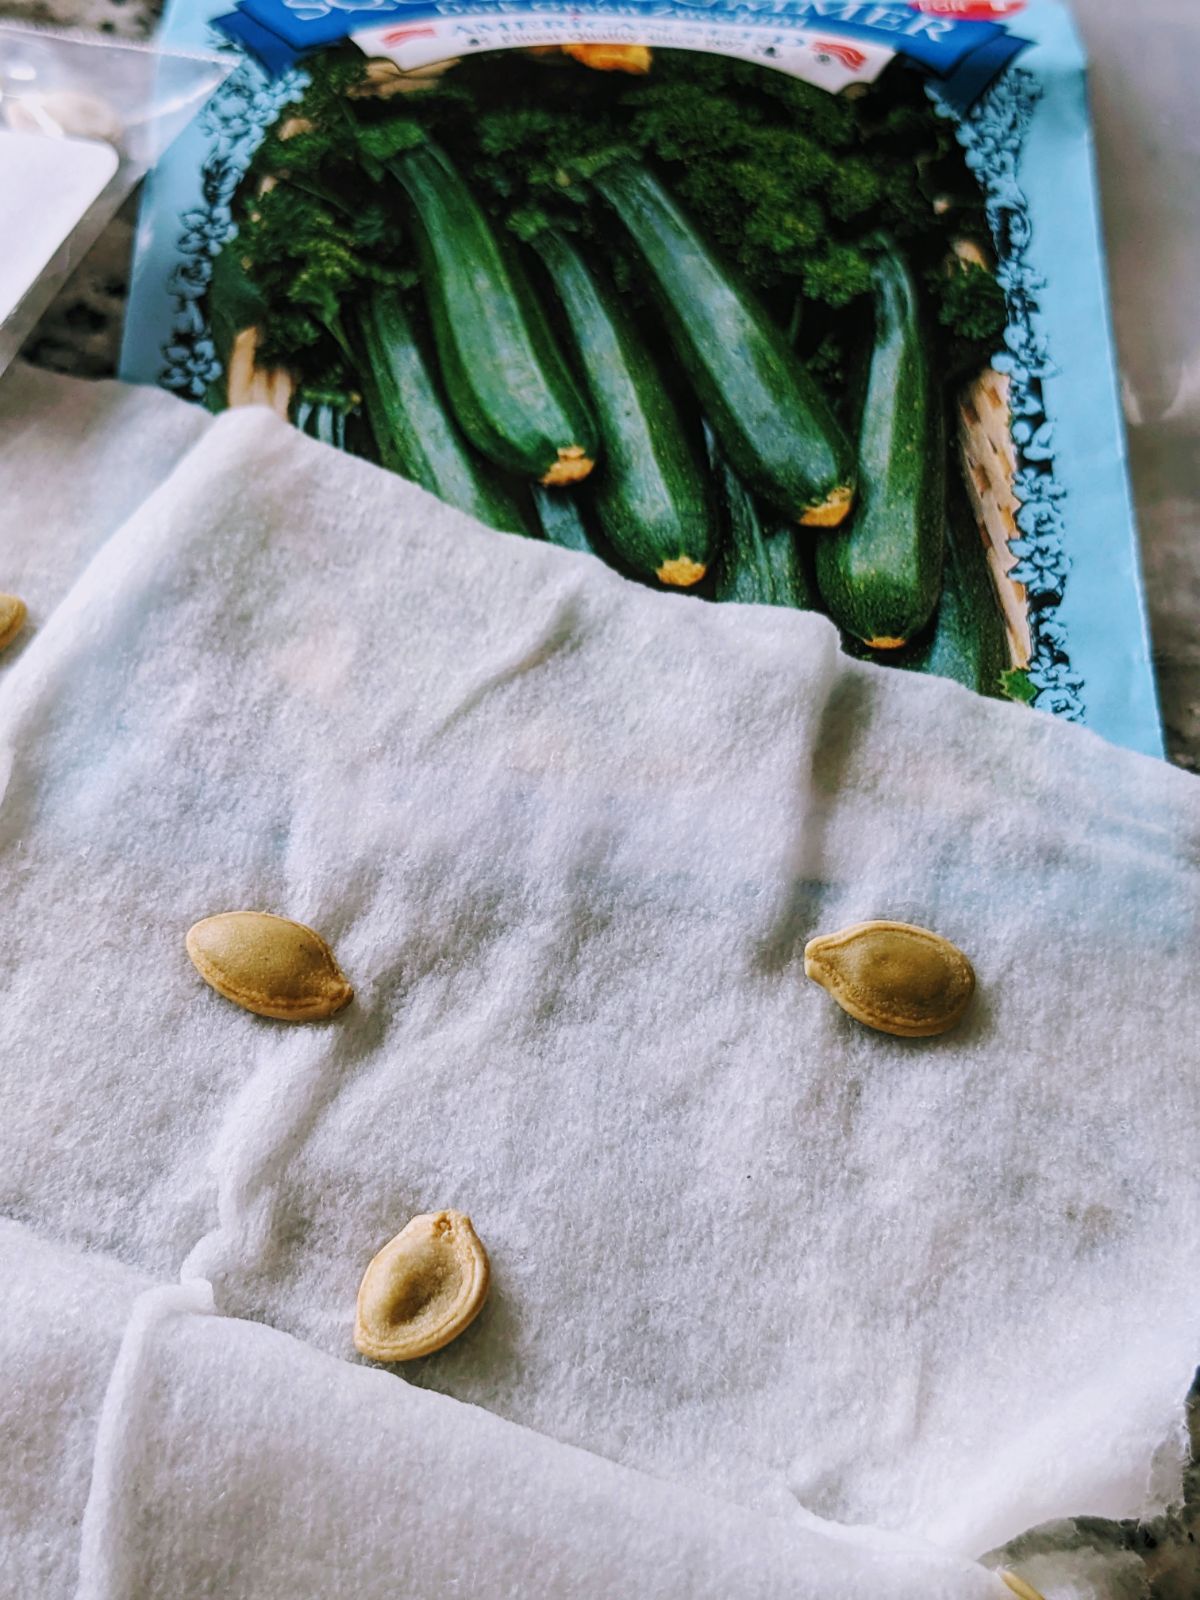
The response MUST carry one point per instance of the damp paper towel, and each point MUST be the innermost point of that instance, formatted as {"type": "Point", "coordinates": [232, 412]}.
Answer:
{"type": "Point", "coordinates": [784, 1306]}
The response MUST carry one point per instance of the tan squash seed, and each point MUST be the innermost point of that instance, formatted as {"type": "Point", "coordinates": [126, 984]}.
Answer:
{"type": "Point", "coordinates": [1023, 1590]}
{"type": "Point", "coordinates": [423, 1288]}
{"type": "Point", "coordinates": [12, 618]}
{"type": "Point", "coordinates": [894, 977]}
{"type": "Point", "coordinates": [270, 965]}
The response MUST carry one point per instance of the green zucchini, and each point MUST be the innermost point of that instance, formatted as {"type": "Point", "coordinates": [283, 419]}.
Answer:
{"type": "Point", "coordinates": [773, 423]}
{"type": "Point", "coordinates": [761, 562]}
{"type": "Point", "coordinates": [561, 519]}
{"type": "Point", "coordinates": [880, 578]}
{"type": "Point", "coordinates": [507, 382]}
{"type": "Point", "coordinates": [322, 420]}
{"type": "Point", "coordinates": [335, 418]}
{"type": "Point", "coordinates": [968, 641]}
{"type": "Point", "coordinates": [651, 492]}
{"type": "Point", "coordinates": [413, 430]}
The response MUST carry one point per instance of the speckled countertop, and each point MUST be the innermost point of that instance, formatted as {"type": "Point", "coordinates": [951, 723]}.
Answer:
{"type": "Point", "coordinates": [122, 19]}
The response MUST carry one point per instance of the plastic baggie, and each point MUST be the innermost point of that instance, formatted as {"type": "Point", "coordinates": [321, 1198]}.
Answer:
{"type": "Point", "coordinates": [81, 122]}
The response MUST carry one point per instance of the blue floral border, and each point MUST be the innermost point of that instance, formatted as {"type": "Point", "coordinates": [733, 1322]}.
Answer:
{"type": "Point", "coordinates": [992, 137]}
{"type": "Point", "coordinates": [234, 123]}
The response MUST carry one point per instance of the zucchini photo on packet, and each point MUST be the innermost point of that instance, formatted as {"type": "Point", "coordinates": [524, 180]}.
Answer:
{"type": "Point", "coordinates": [694, 316]}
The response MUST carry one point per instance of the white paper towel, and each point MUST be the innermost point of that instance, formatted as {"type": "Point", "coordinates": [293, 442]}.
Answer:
{"type": "Point", "coordinates": [76, 459]}
{"type": "Point", "coordinates": [64, 1319]}
{"type": "Point", "coordinates": [154, 1450]}
{"type": "Point", "coordinates": [235, 1461]}
{"type": "Point", "coordinates": [568, 838]}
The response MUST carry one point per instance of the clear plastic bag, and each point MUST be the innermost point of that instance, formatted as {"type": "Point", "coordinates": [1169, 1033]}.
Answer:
{"type": "Point", "coordinates": [1148, 139]}
{"type": "Point", "coordinates": [81, 122]}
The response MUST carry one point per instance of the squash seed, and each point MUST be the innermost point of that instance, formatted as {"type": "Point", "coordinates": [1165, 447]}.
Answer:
{"type": "Point", "coordinates": [12, 618]}
{"type": "Point", "coordinates": [893, 976]}
{"type": "Point", "coordinates": [1023, 1590]}
{"type": "Point", "coordinates": [270, 965]}
{"type": "Point", "coordinates": [423, 1288]}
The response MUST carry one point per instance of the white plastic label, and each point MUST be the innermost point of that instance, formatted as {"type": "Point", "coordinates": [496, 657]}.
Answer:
{"type": "Point", "coordinates": [46, 186]}
{"type": "Point", "coordinates": [832, 63]}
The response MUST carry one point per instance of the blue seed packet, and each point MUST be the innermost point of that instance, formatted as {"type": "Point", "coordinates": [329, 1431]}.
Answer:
{"type": "Point", "coordinates": [874, 375]}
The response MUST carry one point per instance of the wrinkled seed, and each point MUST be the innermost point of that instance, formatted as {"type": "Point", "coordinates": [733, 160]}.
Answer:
{"type": "Point", "coordinates": [423, 1288]}
{"type": "Point", "coordinates": [894, 977]}
{"type": "Point", "coordinates": [270, 965]}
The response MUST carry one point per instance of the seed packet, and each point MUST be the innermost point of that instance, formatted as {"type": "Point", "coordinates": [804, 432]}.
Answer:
{"type": "Point", "coordinates": [764, 302]}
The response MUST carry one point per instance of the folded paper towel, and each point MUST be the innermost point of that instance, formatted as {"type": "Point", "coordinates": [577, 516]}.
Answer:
{"type": "Point", "coordinates": [75, 460]}
{"type": "Point", "coordinates": [202, 1455]}
{"type": "Point", "coordinates": [568, 838]}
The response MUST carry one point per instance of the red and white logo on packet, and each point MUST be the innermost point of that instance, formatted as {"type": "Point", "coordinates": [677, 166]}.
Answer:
{"type": "Point", "coordinates": [827, 50]}
{"type": "Point", "coordinates": [970, 10]}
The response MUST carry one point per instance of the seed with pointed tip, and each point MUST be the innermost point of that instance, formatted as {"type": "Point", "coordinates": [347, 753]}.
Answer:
{"type": "Point", "coordinates": [1022, 1590]}
{"type": "Point", "coordinates": [423, 1288]}
{"type": "Point", "coordinates": [270, 965]}
{"type": "Point", "coordinates": [12, 618]}
{"type": "Point", "coordinates": [894, 977]}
